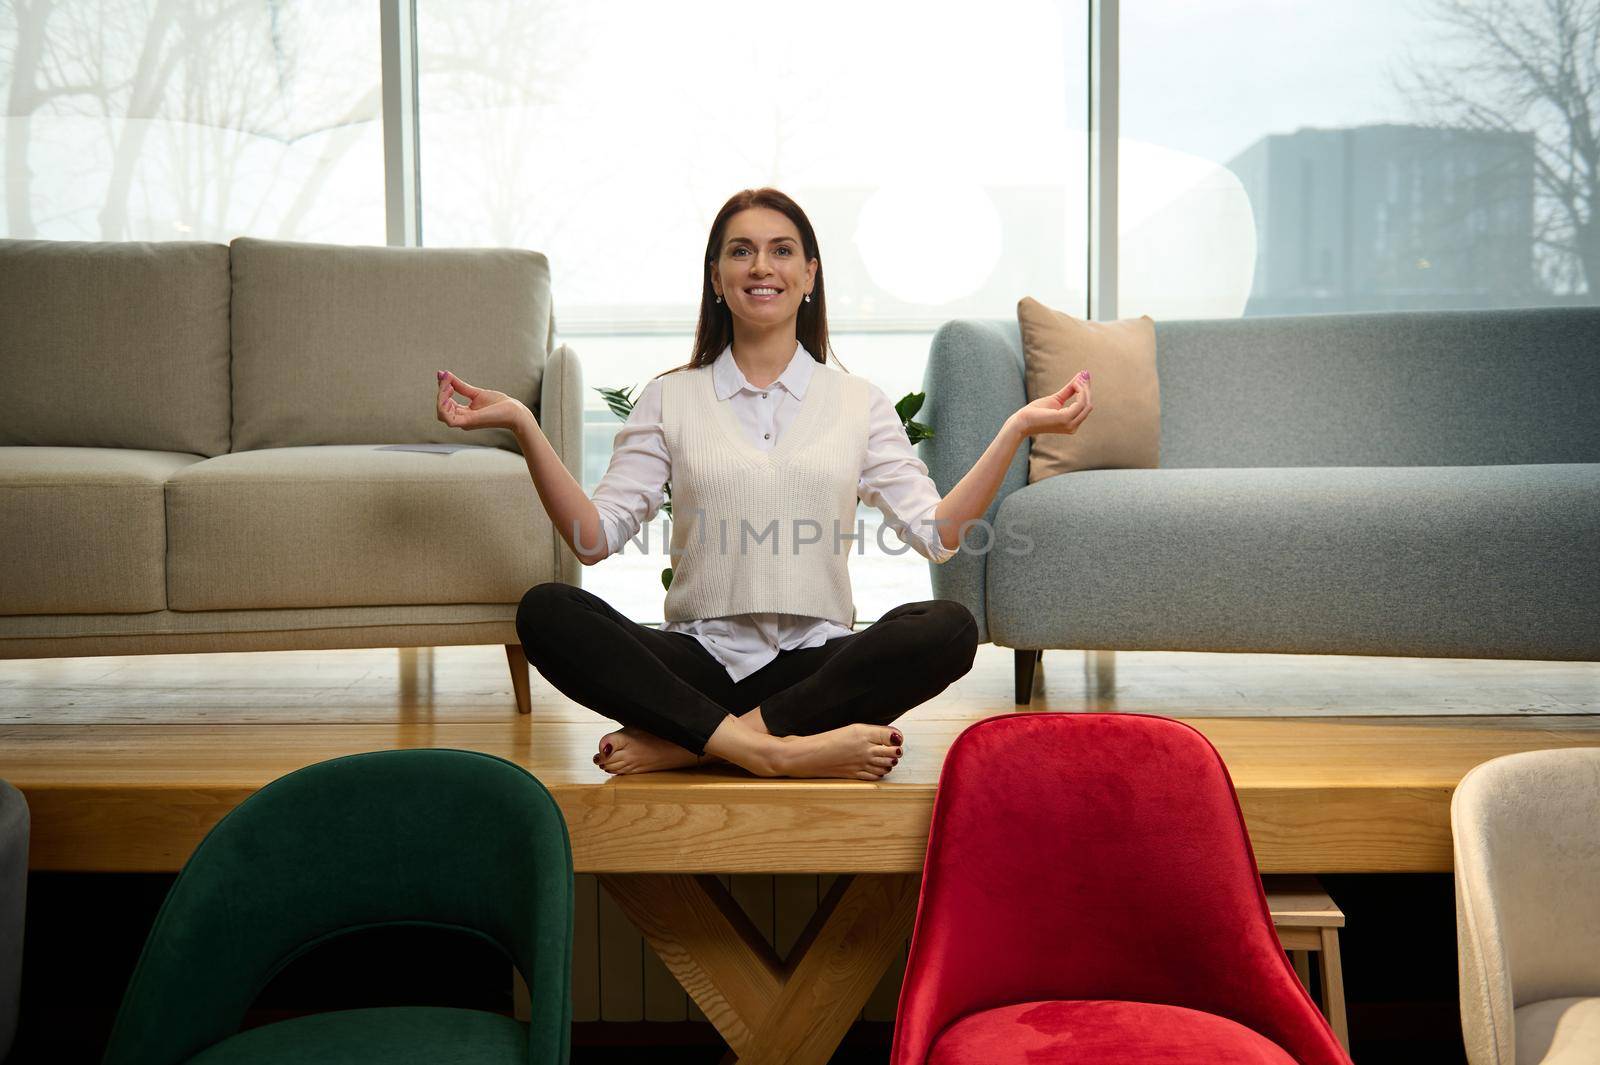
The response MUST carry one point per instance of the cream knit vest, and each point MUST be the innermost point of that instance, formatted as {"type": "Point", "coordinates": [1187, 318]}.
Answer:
{"type": "Point", "coordinates": [741, 517]}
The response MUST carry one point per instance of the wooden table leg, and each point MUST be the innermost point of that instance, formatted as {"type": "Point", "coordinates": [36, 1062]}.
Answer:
{"type": "Point", "coordinates": [857, 931]}
{"type": "Point", "coordinates": [705, 940]}
{"type": "Point", "coordinates": [793, 1012]}
{"type": "Point", "coordinates": [1333, 986]}
{"type": "Point", "coordinates": [1302, 966]}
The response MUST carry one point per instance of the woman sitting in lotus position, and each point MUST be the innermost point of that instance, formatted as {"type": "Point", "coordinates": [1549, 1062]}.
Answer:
{"type": "Point", "coordinates": [767, 446]}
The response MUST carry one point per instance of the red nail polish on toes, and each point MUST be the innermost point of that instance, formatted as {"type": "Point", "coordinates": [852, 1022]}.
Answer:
{"type": "Point", "coordinates": [606, 748]}
{"type": "Point", "coordinates": [896, 739]}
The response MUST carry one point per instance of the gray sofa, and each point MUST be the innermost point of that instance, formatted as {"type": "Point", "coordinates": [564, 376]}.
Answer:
{"type": "Point", "coordinates": [1407, 484]}
{"type": "Point", "coordinates": [216, 448]}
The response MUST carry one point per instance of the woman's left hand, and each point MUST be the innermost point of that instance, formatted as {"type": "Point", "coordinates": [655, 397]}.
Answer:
{"type": "Point", "coordinates": [1061, 412]}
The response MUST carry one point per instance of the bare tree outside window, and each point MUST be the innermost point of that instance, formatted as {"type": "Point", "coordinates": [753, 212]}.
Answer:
{"type": "Point", "coordinates": [161, 119]}
{"type": "Point", "coordinates": [486, 70]}
{"type": "Point", "coordinates": [1527, 68]}
{"type": "Point", "coordinates": [54, 66]}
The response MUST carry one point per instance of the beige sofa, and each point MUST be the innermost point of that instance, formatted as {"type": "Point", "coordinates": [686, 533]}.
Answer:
{"type": "Point", "coordinates": [234, 448]}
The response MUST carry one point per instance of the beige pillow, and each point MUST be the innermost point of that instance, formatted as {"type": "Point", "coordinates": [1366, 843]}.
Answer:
{"type": "Point", "coordinates": [1124, 429]}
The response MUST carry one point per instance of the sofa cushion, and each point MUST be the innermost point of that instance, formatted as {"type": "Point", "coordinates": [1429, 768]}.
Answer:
{"type": "Point", "coordinates": [1092, 1032]}
{"type": "Point", "coordinates": [339, 345]}
{"type": "Point", "coordinates": [1400, 388]}
{"type": "Point", "coordinates": [84, 529]}
{"type": "Point", "coordinates": [119, 345]}
{"type": "Point", "coordinates": [1124, 429]}
{"type": "Point", "coordinates": [354, 526]}
{"type": "Point", "coordinates": [1447, 561]}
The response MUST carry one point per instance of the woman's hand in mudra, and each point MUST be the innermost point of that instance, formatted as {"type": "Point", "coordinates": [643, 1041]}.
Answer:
{"type": "Point", "coordinates": [1061, 412]}
{"type": "Point", "coordinates": [487, 408]}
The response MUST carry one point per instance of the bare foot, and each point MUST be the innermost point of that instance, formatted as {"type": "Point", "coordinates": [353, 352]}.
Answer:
{"type": "Point", "coordinates": [633, 750]}
{"type": "Point", "coordinates": [854, 752]}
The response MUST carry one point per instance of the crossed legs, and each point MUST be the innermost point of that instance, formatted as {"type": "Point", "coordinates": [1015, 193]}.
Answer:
{"type": "Point", "coordinates": [818, 711]}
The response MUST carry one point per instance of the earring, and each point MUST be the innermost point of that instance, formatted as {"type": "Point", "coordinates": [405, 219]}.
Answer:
{"type": "Point", "coordinates": [808, 297]}
{"type": "Point", "coordinates": [719, 299]}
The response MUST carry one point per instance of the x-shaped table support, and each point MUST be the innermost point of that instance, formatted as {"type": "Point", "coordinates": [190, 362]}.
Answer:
{"type": "Point", "coordinates": [792, 1012]}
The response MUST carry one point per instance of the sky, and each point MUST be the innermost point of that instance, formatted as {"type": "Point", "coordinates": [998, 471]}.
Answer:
{"type": "Point", "coordinates": [1211, 77]}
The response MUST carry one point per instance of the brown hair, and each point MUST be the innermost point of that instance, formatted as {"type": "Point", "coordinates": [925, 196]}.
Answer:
{"type": "Point", "coordinates": [715, 329]}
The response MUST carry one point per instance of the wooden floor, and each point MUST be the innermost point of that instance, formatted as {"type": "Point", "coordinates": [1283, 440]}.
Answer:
{"type": "Point", "coordinates": [462, 685]}
{"type": "Point", "coordinates": [126, 761]}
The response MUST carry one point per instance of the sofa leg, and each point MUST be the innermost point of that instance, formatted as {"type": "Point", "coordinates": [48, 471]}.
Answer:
{"type": "Point", "coordinates": [1026, 663]}
{"type": "Point", "coordinates": [519, 677]}
{"type": "Point", "coordinates": [1100, 671]}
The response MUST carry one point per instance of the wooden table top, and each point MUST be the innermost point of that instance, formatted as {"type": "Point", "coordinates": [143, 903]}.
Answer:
{"type": "Point", "coordinates": [1319, 795]}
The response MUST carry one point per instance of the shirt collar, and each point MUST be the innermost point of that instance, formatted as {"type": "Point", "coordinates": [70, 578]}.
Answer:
{"type": "Point", "coordinates": [727, 379]}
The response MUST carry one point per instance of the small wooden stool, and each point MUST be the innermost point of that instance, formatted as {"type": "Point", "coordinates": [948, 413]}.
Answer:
{"type": "Point", "coordinates": [1307, 920]}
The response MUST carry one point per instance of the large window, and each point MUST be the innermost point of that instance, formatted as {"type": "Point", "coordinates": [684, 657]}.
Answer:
{"type": "Point", "coordinates": [938, 150]}
{"type": "Point", "coordinates": [199, 120]}
{"type": "Point", "coordinates": [1294, 157]}
{"type": "Point", "coordinates": [1275, 157]}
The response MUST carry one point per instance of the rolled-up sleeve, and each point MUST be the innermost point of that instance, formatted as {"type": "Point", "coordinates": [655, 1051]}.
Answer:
{"type": "Point", "coordinates": [896, 482]}
{"type": "Point", "coordinates": [634, 485]}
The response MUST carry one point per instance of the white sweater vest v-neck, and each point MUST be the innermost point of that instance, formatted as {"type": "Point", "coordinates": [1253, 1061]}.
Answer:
{"type": "Point", "coordinates": [763, 531]}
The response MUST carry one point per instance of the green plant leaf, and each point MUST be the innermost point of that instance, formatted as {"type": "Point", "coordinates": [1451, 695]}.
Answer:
{"type": "Point", "coordinates": [620, 401]}
{"type": "Point", "coordinates": [917, 432]}
{"type": "Point", "coordinates": [666, 579]}
{"type": "Point", "coordinates": [909, 404]}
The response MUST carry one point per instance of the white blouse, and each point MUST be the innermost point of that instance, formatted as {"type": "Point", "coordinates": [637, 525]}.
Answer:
{"type": "Point", "coordinates": [892, 479]}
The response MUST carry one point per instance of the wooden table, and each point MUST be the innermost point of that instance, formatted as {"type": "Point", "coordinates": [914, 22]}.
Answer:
{"type": "Point", "coordinates": [799, 1010]}
{"type": "Point", "coordinates": [1318, 796]}
{"type": "Point", "coordinates": [1308, 922]}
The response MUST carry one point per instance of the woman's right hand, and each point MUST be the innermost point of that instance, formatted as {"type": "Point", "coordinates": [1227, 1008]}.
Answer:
{"type": "Point", "coordinates": [488, 409]}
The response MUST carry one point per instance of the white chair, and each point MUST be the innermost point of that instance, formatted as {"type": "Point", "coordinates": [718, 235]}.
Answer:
{"type": "Point", "coordinates": [1527, 855]}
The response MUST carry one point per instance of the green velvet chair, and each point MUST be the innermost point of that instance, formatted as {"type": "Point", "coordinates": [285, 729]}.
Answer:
{"type": "Point", "coordinates": [435, 838]}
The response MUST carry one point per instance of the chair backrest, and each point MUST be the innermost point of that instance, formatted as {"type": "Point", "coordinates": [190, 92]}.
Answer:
{"type": "Point", "coordinates": [451, 839]}
{"type": "Point", "coordinates": [1527, 855]}
{"type": "Point", "coordinates": [14, 822]}
{"type": "Point", "coordinates": [1095, 856]}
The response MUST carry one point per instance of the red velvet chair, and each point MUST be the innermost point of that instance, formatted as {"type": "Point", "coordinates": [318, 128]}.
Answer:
{"type": "Point", "coordinates": [1090, 896]}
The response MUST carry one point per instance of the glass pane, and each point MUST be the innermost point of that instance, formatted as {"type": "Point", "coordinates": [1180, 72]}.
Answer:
{"type": "Point", "coordinates": [938, 151]}
{"type": "Point", "coordinates": [205, 120]}
{"type": "Point", "coordinates": [1291, 157]}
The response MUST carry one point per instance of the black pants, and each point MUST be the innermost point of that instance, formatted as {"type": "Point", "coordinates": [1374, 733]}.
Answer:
{"type": "Point", "coordinates": [668, 684]}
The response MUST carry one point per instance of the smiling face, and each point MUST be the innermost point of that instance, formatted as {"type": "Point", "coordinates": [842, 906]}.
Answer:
{"type": "Point", "coordinates": [761, 271]}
